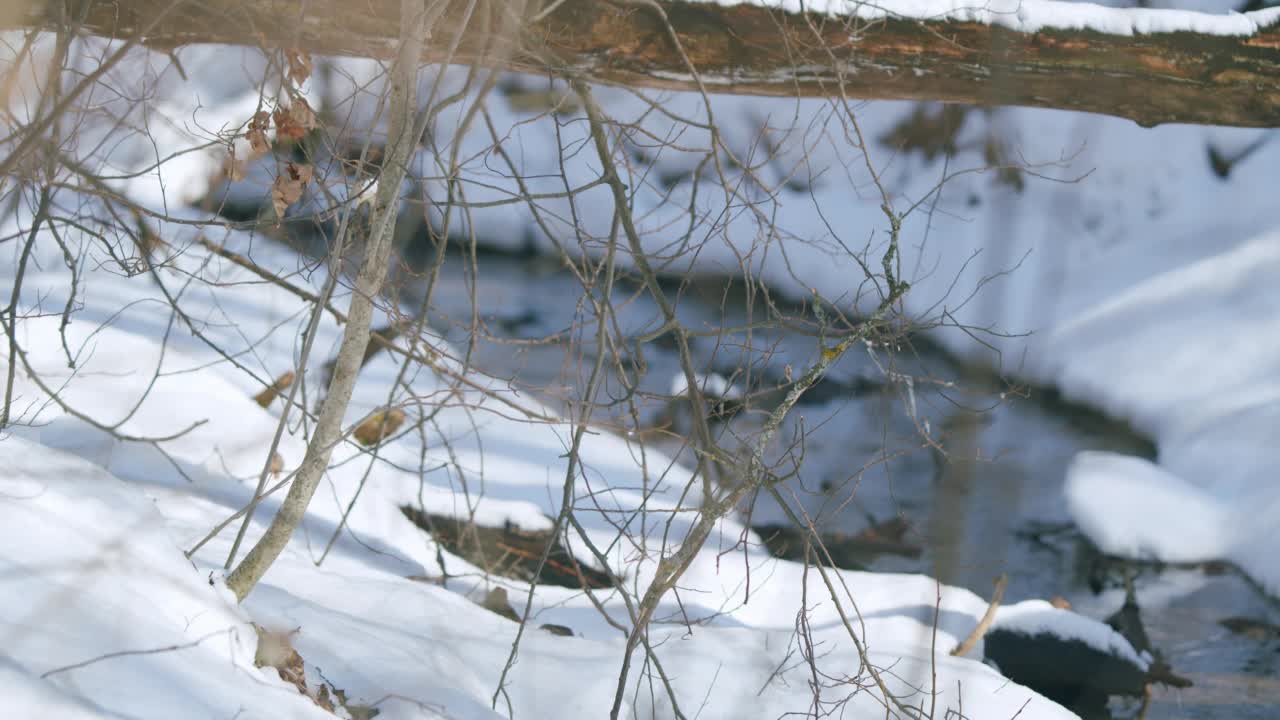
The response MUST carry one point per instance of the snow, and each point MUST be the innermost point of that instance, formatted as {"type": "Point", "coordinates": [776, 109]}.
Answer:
{"type": "Point", "coordinates": [90, 569]}
{"type": "Point", "coordinates": [1125, 272]}
{"type": "Point", "coordinates": [1031, 16]}
{"type": "Point", "coordinates": [1148, 284]}
{"type": "Point", "coordinates": [1189, 355]}
{"type": "Point", "coordinates": [1134, 508]}
{"type": "Point", "coordinates": [110, 521]}
{"type": "Point", "coordinates": [95, 526]}
{"type": "Point", "coordinates": [712, 384]}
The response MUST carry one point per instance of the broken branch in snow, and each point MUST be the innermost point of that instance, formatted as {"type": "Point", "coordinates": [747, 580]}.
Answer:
{"type": "Point", "coordinates": [988, 617]}
{"type": "Point", "coordinates": [1151, 66]}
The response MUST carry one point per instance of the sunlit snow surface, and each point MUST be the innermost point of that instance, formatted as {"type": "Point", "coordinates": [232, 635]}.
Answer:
{"type": "Point", "coordinates": [92, 563]}
{"type": "Point", "coordinates": [1036, 15]}
{"type": "Point", "coordinates": [1127, 274]}
{"type": "Point", "coordinates": [1149, 284]}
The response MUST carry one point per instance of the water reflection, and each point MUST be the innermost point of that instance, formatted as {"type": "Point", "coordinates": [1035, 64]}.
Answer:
{"type": "Point", "coordinates": [985, 499]}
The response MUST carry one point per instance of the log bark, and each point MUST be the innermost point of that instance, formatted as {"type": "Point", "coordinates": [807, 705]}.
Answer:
{"type": "Point", "coordinates": [1173, 77]}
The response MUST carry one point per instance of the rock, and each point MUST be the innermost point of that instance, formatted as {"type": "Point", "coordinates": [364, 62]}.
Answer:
{"type": "Point", "coordinates": [1068, 671]}
{"type": "Point", "coordinates": [1078, 673]}
{"type": "Point", "coordinates": [1128, 622]}
{"type": "Point", "coordinates": [1251, 628]}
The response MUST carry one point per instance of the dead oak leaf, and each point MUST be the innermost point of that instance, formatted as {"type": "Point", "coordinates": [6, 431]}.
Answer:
{"type": "Point", "coordinates": [235, 167]}
{"type": "Point", "coordinates": [301, 114]}
{"type": "Point", "coordinates": [379, 425]}
{"type": "Point", "coordinates": [275, 650]}
{"type": "Point", "coordinates": [293, 122]}
{"type": "Point", "coordinates": [282, 383]}
{"type": "Point", "coordinates": [299, 65]}
{"type": "Point", "coordinates": [288, 186]}
{"type": "Point", "coordinates": [286, 127]}
{"type": "Point", "coordinates": [257, 134]}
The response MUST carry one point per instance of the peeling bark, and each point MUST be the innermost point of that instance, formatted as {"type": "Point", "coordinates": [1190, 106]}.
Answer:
{"type": "Point", "coordinates": [1151, 79]}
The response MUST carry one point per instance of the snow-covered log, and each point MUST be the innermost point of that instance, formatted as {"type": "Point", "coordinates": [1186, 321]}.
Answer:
{"type": "Point", "coordinates": [1149, 65]}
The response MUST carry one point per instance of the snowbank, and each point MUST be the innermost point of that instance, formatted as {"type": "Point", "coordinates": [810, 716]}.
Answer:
{"type": "Point", "coordinates": [93, 543]}
{"type": "Point", "coordinates": [1133, 312]}
{"type": "Point", "coordinates": [103, 617]}
{"type": "Point", "coordinates": [1190, 356]}
{"type": "Point", "coordinates": [1126, 270]}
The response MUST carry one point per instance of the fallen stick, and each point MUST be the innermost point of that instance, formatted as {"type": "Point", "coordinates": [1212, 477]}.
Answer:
{"type": "Point", "coordinates": [987, 618]}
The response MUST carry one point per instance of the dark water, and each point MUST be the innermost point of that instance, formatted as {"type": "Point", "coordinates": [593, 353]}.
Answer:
{"type": "Point", "coordinates": [984, 498]}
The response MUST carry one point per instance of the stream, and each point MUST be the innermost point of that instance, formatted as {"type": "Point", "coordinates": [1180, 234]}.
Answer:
{"type": "Point", "coordinates": [986, 500]}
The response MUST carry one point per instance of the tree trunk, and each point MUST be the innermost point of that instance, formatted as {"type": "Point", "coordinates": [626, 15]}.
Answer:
{"type": "Point", "coordinates": [401, 140]}
{"type": "Point", "coordinates": [1189, 76]}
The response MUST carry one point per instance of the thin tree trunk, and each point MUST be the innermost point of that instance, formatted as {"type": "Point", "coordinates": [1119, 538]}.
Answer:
{"type": "Point", "coordinates": [328, 429]}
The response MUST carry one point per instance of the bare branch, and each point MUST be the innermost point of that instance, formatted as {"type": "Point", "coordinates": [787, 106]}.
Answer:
{"type": "Point", "coordinates": [988, 617]}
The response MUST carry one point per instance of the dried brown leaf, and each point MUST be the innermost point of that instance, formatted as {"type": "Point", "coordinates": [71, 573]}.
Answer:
{"type": "Point", "coordinates": [288, 186]}
{"type": "Point", "coordinates": [282, 383]}
{"type": "Point", "coordinates": [323, 699]}
{"type": "Point", "coordinates": [257, 134]}
{"type": "Point", "coordinates": [234, 167]}
{"type": "Point", "coordinates": [299, 65]}
{"type": "Point", "coordinates": [301, 114]}
{"type": "Point", "coordinates": [496, 601]}
{"type": "Point", "coordinates": [287, 128]}
{"type": "Point", "coordinates": [378, 425]}
{"type": "Point", "coordinates": [275, 649]}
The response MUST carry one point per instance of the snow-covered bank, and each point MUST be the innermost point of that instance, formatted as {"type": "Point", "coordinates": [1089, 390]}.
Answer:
{"type": "Point", "coordinates": [1080, 256]}
{"type": "Point", "coordinates": [1190, 355]}
{"type": "Point", "coordinates": [92, 544]}
{"type": "Point", "coordinates": [1143, 276]}
{"type": "Point", "coordinates": [371, 619]}
{"type": "Point", "coordinates": [1128, 270]}
{"type": "Point", "coordinates": [89, 570]}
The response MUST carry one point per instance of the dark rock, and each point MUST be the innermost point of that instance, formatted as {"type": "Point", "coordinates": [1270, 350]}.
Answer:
{"type": "Point", "coordinates": [1128, 622]}
{"type": "Point", "coordinates": [1077, 674]}
{"type": "Point", "coordinates": [1251, 628]}
{"type": "Point", "coordinates": [1068, 671]}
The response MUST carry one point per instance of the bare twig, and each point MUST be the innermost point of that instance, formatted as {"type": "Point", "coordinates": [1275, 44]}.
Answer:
{"type": "Point", "coordinates": [987, 618]}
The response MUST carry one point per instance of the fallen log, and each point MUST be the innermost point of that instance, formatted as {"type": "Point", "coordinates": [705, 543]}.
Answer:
{"type": "Point", "coordinates": [1149, 65]}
